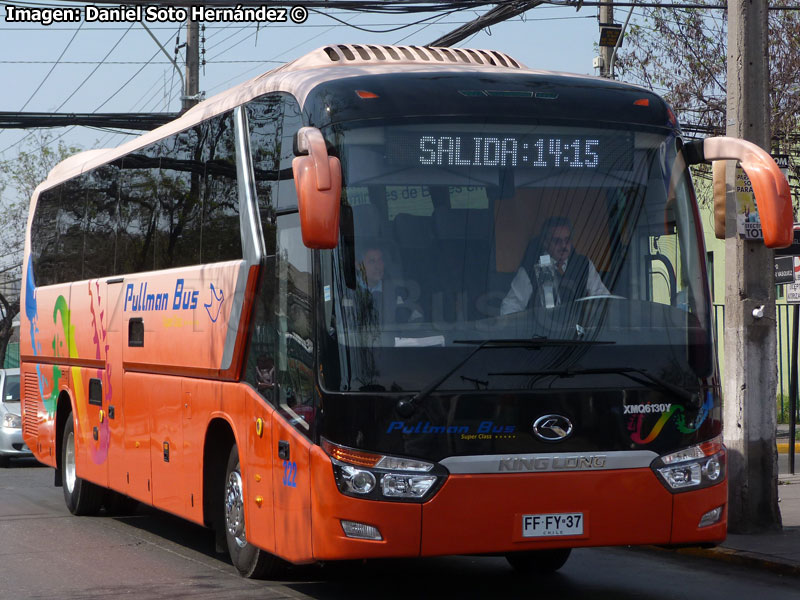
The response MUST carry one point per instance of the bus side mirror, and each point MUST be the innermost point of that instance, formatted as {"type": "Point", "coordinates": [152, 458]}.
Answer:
{"type": "Point", "coordinates": [318, 180]}
{"type": "Point", "coordinates": [770, 187]}
{"type": "Point", "coordinates": [718, 170]}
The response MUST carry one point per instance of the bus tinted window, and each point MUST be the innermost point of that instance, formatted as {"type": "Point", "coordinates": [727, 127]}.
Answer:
{"type": "Point", "coordinates": [45, 238]}
{"type": "Point", "coordinates": [264, 119]}
{"type": "Point", "coordinates": [274, 120]}
{"type": "Point", "coordinates": [281, 358]}
{"type": "Point", "coordinates": [139, 184]}
{"type": "Point", "coordinates": [101, 189]}
{"type": "Point", "coordinates": [221, 239]}
{"type": "Point", "coordinates": [179, 227]}
{"type": "Point", "coordinates": [292, 121]}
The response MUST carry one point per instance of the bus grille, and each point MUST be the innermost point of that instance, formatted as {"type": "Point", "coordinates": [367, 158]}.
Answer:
{"type": "Point", "coordinates": [30, 404]}
{"type": "Point", "coordinates": [362, 53]}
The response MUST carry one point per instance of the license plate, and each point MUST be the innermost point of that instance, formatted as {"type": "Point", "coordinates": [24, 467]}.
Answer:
{"type": "Point", "coordinates": [552, 525]}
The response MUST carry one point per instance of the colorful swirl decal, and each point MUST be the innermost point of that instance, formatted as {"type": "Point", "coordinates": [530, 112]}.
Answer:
{"type": "Point", "coordinates": [679, 414]}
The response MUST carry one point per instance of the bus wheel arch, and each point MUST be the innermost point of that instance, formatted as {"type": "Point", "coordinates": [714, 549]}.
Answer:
{"type": "Point", "coordinates": [217, 445]}
{"type": "Point", "coordinates": [81, 497]}
{"type": "Point", "coordinates": [63, 412]}
{"type": "Point", "coordinates": [249, 560]}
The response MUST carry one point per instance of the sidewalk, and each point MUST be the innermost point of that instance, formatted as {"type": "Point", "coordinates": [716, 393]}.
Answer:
{"type": "Point", "coordinates": [778, 552]}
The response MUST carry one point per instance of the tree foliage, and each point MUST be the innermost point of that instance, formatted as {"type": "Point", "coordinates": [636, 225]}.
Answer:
{"type": "Point", "coordinates": [682, 54]}
{"type": "Point", "coordinates": [18, 178]}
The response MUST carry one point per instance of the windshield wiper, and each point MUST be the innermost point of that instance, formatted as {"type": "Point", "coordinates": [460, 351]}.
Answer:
{"type": "Point", "coordinates": [647, 379]}
{"type": "Point", "coordinates": [406, 407]}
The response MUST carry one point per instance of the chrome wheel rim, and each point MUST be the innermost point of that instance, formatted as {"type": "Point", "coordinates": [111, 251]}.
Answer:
{"type": "Point", "coordinates": [234, 508]}
{"type": "Point", "coordinates": [69, 463]}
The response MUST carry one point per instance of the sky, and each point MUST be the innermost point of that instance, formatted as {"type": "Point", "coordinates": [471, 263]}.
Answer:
{"type": "Point", "coordinates": [118, 67]}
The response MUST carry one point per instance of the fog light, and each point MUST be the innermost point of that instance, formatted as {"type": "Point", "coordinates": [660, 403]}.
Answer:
{"type": "Point", "coordinates": [711, 517]}
{"type": "Point", "coordinates": [353, 529]}
{"type": "Point", "coordinates": [406, 486]}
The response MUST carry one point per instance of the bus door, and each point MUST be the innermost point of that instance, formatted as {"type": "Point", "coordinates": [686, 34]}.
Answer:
{"type": "Point", "coordinates": [137, 403]}
{"type": "Point", "coordinates": [136, 455]}
{"type": "Point", "coordinates": [113, 390]}
{"type": "Point", "coordinates": [166, 400]}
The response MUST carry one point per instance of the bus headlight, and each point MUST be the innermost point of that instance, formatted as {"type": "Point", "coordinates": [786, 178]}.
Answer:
{"type": "Point", "coordinates": [378, 477]}
{"type": "Point", "coordinates": [692, 468]}
{"type": "Point", "coordinates": [403, 485]}
{"type": "Point", "coordinates": [358, 481]}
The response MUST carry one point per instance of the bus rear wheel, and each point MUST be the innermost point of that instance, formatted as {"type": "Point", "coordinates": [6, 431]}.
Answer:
{"type": "Point", "coordinates": [248, 560]}
{"type": "Point", "coordinates": [82, 497]}
{"type": "Point", "coordinates": [538, 562]}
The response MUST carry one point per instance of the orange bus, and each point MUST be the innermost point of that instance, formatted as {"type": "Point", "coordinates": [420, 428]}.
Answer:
{"type": "Point", "coordinates": [389, 302]}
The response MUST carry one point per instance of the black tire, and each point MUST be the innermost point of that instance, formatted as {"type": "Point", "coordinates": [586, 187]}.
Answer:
{"type": "Point", "coordinates": [538, 562]}
{"type": "Point", "coordinates": [249, 561]}
{"type": "Point", "coordinates": [82, 497]}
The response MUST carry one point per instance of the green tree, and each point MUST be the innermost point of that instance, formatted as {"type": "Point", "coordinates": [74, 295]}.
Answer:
{"type": "Point", "coordinates": [19, 177]}
{"type": "Point", "coordinates": [682, 54]}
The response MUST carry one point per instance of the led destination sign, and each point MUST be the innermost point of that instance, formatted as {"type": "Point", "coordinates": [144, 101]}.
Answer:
{"type": "Point", "coordinates": [556, 151]}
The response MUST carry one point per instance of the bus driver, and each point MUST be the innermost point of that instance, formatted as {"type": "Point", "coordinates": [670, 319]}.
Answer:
{"type": "Point", "coordinates": [576, 276]}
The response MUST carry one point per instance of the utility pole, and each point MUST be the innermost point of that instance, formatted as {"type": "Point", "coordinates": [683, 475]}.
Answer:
{"type": "Point", "coordinates": [749, 411]}
{"type": "Point", "coordinates": [192, 91]}
{"type": "Point", "coordinates": [606, 18]}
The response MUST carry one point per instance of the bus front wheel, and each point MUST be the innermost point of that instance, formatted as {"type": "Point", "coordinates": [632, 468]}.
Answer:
{"type": "Point", "coordinates": [82, 497]}
{"type": "Point", "coordinates": [538, 562]}
{"type": "Point", "coordinates": [249, 561]}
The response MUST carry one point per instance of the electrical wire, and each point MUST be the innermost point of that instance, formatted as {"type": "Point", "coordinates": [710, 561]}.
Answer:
{"type": "Point", "coordinates": [55, 64]}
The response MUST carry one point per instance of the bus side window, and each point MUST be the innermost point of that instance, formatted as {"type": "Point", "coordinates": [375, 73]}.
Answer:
{"type": "Point", "coordinates": [100, 237]}
{"type": "Point", "coordinates": [221, 238]}
{"type": "Point", "coordinates": [264, 117]}
{"type": "Point", "coordinates": [179, 222]}
{"type": "Point", "coordinates": [295, 353]}
{"type": "Point", "coordinates": [45, 238]}
{"type": "Point", "coordinates": [138, 207]}
{"type": "Point", "coordinates": [292, 122]}
{"type": "Point", "coordinates": [281, 354]}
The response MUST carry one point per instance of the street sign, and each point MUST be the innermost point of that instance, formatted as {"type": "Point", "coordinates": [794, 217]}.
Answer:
{"type": "Point", "coordinates": [784, 269]}
{"type": "Point", "coordinates": [609, 34]}
{"type": "Point", "coordinates": [793, 293]}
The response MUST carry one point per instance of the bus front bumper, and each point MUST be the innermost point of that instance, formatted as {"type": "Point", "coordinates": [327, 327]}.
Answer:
{"type": "Point", "coordinates": [484, 514]}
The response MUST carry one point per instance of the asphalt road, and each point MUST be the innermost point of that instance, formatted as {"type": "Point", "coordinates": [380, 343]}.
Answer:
{"type": "Point", "coordinates": [48, 554]}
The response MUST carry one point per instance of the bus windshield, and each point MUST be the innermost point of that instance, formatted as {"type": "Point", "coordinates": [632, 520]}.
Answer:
{"type": "Point", "coordinates": [454, 233]}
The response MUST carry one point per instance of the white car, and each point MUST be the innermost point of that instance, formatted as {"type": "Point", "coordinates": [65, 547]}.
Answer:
{"type": "Point", "coordinates": [11, 444]}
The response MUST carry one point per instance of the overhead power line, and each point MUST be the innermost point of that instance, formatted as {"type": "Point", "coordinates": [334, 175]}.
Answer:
{"type": "Point", "coordinates": [500, 13]}
{"type": "Point", "coordinates": [140, 121]}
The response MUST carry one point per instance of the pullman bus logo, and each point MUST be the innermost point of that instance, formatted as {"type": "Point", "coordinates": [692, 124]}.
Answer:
{"type": "Point", "coordinates": [552, 428]}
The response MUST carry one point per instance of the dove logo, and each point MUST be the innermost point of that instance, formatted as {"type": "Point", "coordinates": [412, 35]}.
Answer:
{"type": "Point", "coordinates": [215, 303]}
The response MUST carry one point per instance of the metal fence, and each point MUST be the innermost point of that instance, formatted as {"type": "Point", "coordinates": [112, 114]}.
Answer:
{"type": "Point", "coordinates": [783, 320]}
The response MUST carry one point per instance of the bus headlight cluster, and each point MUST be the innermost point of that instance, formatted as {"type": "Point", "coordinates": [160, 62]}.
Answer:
{"type": "Point", "coordinates": [379, 477]}
{"type": "Point", "coordinates": [692, 468]}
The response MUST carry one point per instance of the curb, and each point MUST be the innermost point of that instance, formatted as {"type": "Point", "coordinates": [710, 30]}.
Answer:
{"type": "Point", "coordinates": [783, 448]}
{"type": "Point", "coordinates": [773, 564]}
